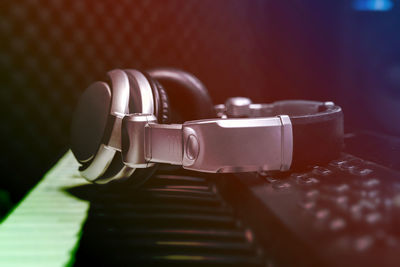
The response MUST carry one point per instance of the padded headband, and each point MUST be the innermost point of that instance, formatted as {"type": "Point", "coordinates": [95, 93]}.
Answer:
{"type": "Point", "coordinates": [317, 130]}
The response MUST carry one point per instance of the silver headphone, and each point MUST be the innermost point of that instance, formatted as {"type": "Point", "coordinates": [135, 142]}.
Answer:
{"type": "Point", "coordinates": [122, 128]}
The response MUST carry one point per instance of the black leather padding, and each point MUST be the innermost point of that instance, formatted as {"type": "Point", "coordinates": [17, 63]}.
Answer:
{"type": "Point", "coordinates": [317, 131]}
{"type": "Point", "coordinates": [188, 97]}
{"type": "Point", "coordinates": [318, 135]}
{"type": "Point", "coordinates": [317, 141]}
{"type": "Point", "coordinates": [161, 100]}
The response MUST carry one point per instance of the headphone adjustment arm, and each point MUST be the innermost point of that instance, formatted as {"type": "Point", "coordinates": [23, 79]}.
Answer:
{"type": "Point", "coordinates": [238, 145]}
{"type": "Point", "coordinates": [215, 146]}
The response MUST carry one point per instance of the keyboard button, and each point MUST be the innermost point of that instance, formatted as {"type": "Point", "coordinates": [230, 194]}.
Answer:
{"type": "Point", "coordinates": [337, 163]}
{"type": "Point", "coordinates": [373, 194]}
{"type": "Point", "coordinates": [342, 188]}
{"type": "Point", "coordinates": [363, 243]}
{"type": "Point", "coordinates": [373, 218]}
{"type": "Point", "coordinates": [361, 207]}
{"type": "Point", "coordinates": [271, 179]}
{"type": "Point", "coordinates": [322, 214]}
{"type": "Point", "coordinates": [321, 171]}
{"type": "Point", "coordinates": [307, 205]}
{"type": "Point", "coordinates": [342, 202]}
{"type": "Point", "coordinates": [371, 183]}
{"type": "Point", "coordinates": [368, 204]}
{"type": "Point", "coordinates": [337, 224]}
{"type": "Point", "coordinates": [312, 194]}
{"type": "Point", "coordinates": [281, 185]}
{"type": "Point", "coordinates": [304, 180]}
{"type": "Point", "coordinates": [360, 171]}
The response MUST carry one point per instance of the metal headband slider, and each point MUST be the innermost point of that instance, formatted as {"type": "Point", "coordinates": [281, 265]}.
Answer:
{"type": "Point", "coordinates": [133, 140]}
{"type": "Point", "coordinates": [238, 145]}
{"type": "Point", "coordinates": [220, 145]}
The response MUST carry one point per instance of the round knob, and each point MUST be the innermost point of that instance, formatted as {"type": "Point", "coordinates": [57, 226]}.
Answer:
{"type": "Point", "coordinates": [237, 106]}
{"type": "Point", "coordinates": [192, 147]}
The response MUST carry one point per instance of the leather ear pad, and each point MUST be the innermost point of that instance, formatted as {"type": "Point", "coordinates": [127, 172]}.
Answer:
{"type": "Point", "coordinates": [188, 97]}
{"type": "Point", "coordinates": [161, 100]}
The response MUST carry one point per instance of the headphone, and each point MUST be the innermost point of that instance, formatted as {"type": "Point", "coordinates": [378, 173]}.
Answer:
{"type": "Point", "coordinates": [129, 124]}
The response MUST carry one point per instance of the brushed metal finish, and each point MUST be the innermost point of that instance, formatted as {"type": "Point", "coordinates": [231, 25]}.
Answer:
{"type": "Point", "coordinates": [218, 145]}
{"type": "Point", "coordinates": [164, 143]}
{"type": "Point", "coordinates": [99, 164]}
{"type": "Point", "coordinates": [237, 107]}
{"type": "Point", "coordinates": [120, 90]}
{"type": "Point", "coordinates": [141, 93]}
{"type": "Point", "coordinates": [133, 140]}
{"type": "Point", "coordinates": [119, 107]}
{"type": "Point", "coordinates": [239, 145]}
{"type": "Point", "coordinates": [286, 142]}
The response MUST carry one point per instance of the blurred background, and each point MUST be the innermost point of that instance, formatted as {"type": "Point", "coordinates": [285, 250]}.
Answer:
{"type": "Point", "coordinates": [346, 51]}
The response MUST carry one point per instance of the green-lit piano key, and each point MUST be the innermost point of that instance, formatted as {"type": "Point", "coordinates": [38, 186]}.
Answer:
{"type": "Point", "coordinates": [45, 227]}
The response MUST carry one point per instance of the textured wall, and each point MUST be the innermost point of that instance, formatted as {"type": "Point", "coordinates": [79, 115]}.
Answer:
{"type": "Point", "coordinates": [50, 51]}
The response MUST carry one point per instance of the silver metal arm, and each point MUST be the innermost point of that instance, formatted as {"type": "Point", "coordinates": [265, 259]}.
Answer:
{"type": "Point", "coordinates": [218, 145]}
{"type": "Point", "coordinates": [164, 143]}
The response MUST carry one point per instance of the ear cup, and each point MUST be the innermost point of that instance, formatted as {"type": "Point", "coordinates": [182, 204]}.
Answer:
{"type": "Point", "coordinates": [188, 97]}
{"type": "Point", "coordinates": [131, 91]}
{"type": "Point", "coordinates": [161, 111]}
{"type": "Point", "coordinates": [93, 125]}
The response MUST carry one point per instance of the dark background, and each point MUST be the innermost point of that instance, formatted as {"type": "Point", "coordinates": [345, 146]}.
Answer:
{"type": "Point", "coordinates": [50, 51]}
